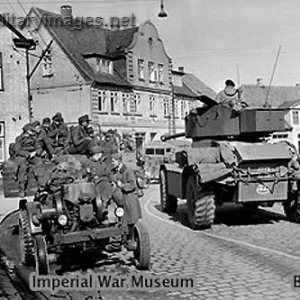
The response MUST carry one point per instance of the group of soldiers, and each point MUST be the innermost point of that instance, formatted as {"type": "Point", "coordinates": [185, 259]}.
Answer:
{"type": "Point", "coordinates": [42, 142]}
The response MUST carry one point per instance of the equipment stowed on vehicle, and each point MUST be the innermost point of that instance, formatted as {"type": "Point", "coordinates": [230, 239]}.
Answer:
{"type": "Point", "coordinates": [71, 218]}
{"type": "Point", "coordinates": [228, 162]}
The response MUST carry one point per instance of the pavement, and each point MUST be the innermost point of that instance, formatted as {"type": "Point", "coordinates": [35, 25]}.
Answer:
{"type": "Point", "coordinates": [245, 255]}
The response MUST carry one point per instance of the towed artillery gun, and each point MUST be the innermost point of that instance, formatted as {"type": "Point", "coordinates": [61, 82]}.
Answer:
{"type": "Point", "coordinates": [230, 162]}
{"type": "Point", "coordinates": [70, 216]}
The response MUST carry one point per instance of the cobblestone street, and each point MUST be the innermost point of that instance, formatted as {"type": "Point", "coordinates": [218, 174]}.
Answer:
{"type": "Point", "coordinates": [254, 258]}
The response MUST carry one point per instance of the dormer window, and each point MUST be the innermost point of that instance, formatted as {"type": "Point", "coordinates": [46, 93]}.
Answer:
{"type": "Point", "coordinates": [104, 65]}
{"type": "Point", "coordinates": [160, 73]}
{"type": "Point", "coordinates": [47, 65]}
{"type": "Point", "coordinates": [141, 64]}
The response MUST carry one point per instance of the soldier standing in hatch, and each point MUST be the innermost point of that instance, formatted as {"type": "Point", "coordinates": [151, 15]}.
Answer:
{"type": "Point", "coordinates": [81, 142]}
{"type": "Point", "coordinates": [230, 96]}
{"type": "Point", "coordinates": [125, 179]}
{"type": "Point", "coordinates": [59, 134]}
{"type": "Point", "coordinates": [27, 147]}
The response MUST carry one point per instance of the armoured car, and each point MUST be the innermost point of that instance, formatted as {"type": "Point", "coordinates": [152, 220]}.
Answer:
{"type": "Point", "coordinates": [229, 161]}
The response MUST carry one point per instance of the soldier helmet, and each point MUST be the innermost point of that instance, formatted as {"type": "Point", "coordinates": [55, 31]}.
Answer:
{"type": "Point", "coordinates": [84, 118]}
{"type": "Point", "coordinates": [229, 82]}
{"type": "Point", "coordinates": [27, 127]}
{"type": "Point", "coordinates": [35, 124]}
{"type": "Point", "coordinates": [57, 117]}
{"type": "Point", "coordinates": [46, 120]}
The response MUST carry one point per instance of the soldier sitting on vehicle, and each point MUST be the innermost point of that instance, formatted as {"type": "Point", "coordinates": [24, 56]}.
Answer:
{"type": "Point", "coordinates": [27, 150]}
{"type": "Point", "coordinates": [81, 142]}
{"type": "Point", "coordinates": [46, 148]}
{"type": "Point", "coordinates": [59, 134]}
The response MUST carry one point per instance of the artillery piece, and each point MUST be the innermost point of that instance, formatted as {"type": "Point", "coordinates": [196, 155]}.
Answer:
{"type": "Point", "coordinates": [229, 161]}
{"type": "Point", "coordinates": [72, 216]}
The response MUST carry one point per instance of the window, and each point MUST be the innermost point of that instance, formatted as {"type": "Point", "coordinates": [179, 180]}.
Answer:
{"type": "Point", "coordinates": [152, 106]}
{"type": "Point", "coordinates": [134, 103]}
{"type": "Point", "coordinates": [182, 109]}
{"type": "Point", "coordinates": [149, 151]}
{"type": "Point", "coordinates": [113, 101]}
{"type": "Point", "coordinates": [126, 103]}
{"type": "Point", "coordinates": [1, 73]}
{"type": "Point", "coordinates": [160, 151]}
{"type": "Point", "coordinates": [141, 65]}
{"type": "Point", "coordinates": [47, 66]}
{"type": "Point", "coordinates": [102, 101]}
{"type": "Point", "coordinates": [160, 73]}
{"type": "Point", "coordinates": [295, 117]}
{"type": "Point", "coordinates": [151, 72]}
{"type": "Point", "coordinates": [176, 107]}
{"type": "Point", "coordinates": [104, 65]}
{"type": "Point", "coordinates": [166, 107]}
{"type": "Point", "coordinates": [2, 136]}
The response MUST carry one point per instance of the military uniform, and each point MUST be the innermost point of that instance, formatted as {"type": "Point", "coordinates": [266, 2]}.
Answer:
{"type": "Point", "coordinates": [59, 134]}
{"type": "Point", "coordinates": [81, 142]}
{"type": "Point", "coordinates": [26, 144]}
{"type": "Point", "coordinates": [132, 205]}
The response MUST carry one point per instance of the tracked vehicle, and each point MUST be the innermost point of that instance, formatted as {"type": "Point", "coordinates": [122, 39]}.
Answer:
{"type": "Point", "coordinates": [230, 162]}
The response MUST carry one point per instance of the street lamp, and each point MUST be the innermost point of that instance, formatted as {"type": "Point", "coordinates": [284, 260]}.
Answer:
{"type": "Point", "coordinates": [27, 44]}
{"type": "Point", "coordinates": [162, 13]}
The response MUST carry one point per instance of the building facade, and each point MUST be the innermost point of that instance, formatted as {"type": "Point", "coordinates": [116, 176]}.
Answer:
{"type": "Point", "coordinates": [122, 78]}
{"type": "Point", "coordinates": [13, 92]}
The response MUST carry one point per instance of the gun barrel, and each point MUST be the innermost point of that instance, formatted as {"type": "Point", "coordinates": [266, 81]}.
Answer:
{"type": "Point", "coordinates": [172, 136]}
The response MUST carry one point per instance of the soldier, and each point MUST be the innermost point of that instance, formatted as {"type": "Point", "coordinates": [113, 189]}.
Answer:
{"type": "Point", "coordinates": [125, 179]}
{"type": "Point", "coordinates": [59, 134]}
{"type": "Point", "coordinates": [230, 96]}
{"type": "Point", "coordinates": [81, 142]}
{"type": "Point", "coordinates": [27, 149]}
{"type": "Point", "coordinates": [43, 139]}
{"type": "Point", "coordinates": [46, 125]}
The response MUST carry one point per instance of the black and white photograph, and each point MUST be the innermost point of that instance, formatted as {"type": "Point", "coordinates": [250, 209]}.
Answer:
{"type": "Point", "coordinates": [149, 150]}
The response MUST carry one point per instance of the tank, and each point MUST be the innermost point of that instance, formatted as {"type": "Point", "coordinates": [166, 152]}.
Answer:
{"type": "Point", "coordinates": [230, 161]}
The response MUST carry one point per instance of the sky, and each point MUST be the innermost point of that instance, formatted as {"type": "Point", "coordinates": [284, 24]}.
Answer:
{"type": "Point", "coordinates": [213, 39]}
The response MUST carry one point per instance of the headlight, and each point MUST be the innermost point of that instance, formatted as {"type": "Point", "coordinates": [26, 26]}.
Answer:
{"type": "Point", "coordinates": [119, 212]}
{"type": "Point", "coordinates": [63, 220]}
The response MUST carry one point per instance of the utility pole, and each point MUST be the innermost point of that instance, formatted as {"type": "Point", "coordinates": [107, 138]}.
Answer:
{"type": "Point", "coordinates": [29, 102]}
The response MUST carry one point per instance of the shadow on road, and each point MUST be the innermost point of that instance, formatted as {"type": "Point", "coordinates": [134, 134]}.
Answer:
{"type": "Point", "coordinates": [230, 215]}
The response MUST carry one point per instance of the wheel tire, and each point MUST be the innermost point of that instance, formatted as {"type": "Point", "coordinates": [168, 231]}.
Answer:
{"type": "Point", "coordinates": [142, 253]}
{"type": "Point", "coordinates": [25, 239]}
{"type": "Point", "coordinates": [201, 205]}
{"type": "Point", "coordinates": [41, 256]}
{"type": "Point", "coordinates": [168, 202]}
{"type": "Point", "coordinates": [292, 210]}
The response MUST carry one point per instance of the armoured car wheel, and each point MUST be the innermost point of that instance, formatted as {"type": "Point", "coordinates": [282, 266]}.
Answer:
{"type": "Point", "coordinates": [168, 202]}
{"type": "Point", "coordinates": [41, 256]}
{"type": "Point", "coordinates": [201, 206]}
{"type": "Point", "coordinates": [142, 252]}
{"type": "Point", "coordinates": [292, 210]}
{"type": "Point", "coordinates": [26, 240]}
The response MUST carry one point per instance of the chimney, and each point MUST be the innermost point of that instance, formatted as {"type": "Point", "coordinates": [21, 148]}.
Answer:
{"type": "Point", "coordinates": [259, 81]}
{"type": "Point", "coordinates": [66, 12]}
{"type": "Point", "coordinates": [181, 69]}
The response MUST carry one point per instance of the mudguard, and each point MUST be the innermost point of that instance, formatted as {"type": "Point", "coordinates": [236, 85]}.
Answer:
{"type": "Point", "coordinates": [32, 209]}
{"type": "Point", "coordinates": [175, 179]}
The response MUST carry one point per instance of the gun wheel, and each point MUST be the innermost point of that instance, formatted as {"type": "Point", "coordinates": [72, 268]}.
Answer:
{"type": "Point", "coordinates": [25, 239]}
{"type": "Point", "coordinates": [201, 206]}
{"type": "Point", "coordinates": [41, 256]}
{"type": "Point", "coordinates": [142, 252]}
{"type": "Point", "coordinates": [168, 202]}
